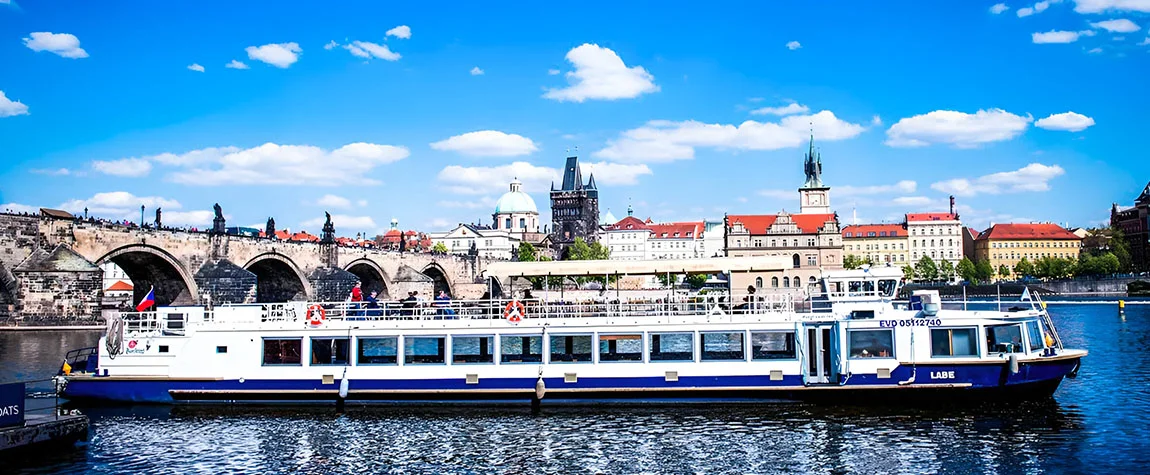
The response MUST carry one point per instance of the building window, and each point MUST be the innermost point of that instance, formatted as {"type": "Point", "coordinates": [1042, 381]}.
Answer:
{"type": "Point", "coordinates": [571, 348]}
{"type": "Point", "coordinates": [424, 350]}
{"type": "Point", "coordinates": [812, 260]}
{"type": "Point", "coordinates": [786, 282]}
{"type": "Point", "coordinates": [522, 222]}
{"type": "Point", "coordinates": [282, 351]}
{"type": "Point", "coordinates": [758, 282]}
{"type": "Point", "coordinates": [507, 223]}
{"type": "Point", "coordinates": [377, 351]}
{"type": "Point", "coordinates": [774, 282]}
{"type": "Point", "coordinates": [672, 347]}
{"type": "Point", "coordinates": [795, 260]}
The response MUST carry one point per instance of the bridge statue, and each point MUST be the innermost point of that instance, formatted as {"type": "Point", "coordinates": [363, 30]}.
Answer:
{"type": "Point", "coordinates": [159, 224]}
{"type": "Point", "coordinates": [328, 229]}
{"type": "Point", "coordinates": [270, 229]}
{"type": "Point", "coordinates": [218, 224]}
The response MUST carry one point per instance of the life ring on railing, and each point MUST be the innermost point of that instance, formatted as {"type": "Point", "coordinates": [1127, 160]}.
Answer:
{"type": "Point", "coordinates": [514, 311]}
{"type": "Point", "coordinates": [316, 315]}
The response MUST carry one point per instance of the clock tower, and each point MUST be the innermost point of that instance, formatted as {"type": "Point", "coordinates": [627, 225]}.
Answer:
{"type": "Point", "coordinates": [814, 197]}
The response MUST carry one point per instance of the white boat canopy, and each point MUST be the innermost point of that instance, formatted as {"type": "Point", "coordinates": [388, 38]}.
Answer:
{"type": "Point", "coordinates": [503, 270]}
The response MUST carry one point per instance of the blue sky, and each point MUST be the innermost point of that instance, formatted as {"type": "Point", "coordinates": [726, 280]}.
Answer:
{"type": "Point", "coordinates": [1024, 111]}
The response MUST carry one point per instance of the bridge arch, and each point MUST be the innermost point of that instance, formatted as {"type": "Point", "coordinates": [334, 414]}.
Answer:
{"type": "Point", "coordinates": [152, 267]}
{"type": "Point", "coordinates": [439, 277]}
{"type": "Point", "coordinates": [373, 277]}
{"type": "Point", "coordinates": [278, 278]}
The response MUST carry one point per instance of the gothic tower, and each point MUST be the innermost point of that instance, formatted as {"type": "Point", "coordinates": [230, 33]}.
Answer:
{"type": "Point", "coordinates": [814, 197]}
{"type": "Point", "coordinates": [574, 209]}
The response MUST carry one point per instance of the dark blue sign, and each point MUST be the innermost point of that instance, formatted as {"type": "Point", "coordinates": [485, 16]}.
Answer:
{"type": "Point", "coordinates": [11, 404]}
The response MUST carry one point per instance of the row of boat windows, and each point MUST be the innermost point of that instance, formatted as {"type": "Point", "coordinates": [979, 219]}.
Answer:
{"type": "Point", "coordinates": [581, 348]}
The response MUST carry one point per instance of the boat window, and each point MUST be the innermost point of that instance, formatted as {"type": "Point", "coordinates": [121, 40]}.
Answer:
{"type": "Point", "coordinates": [772, 345]}
{"type": "Point", "coordinates": [862, 314]}
{"type": "Point", "coordinates": [571, 348]}
{"type": "Point", "coordinates": [722, 346]}
{"type": "Point", "coordinates": [886, 287]}
{"type": "Point", "coordinates": [424, 350]}
{"type": "Point", "coordinates": [330, 351]}
{"type": "Point", "coordinates": [1004, 339]}
{"type": "Point", "coordinates": [954, 342]}
{"type": "Point", "coordinates": [1035, 335]}
{"type": "Point", "coordinates": [521, 349]}
{"type": "Point", "coordinates": [472, 349]}
{"type": "Point", "coordinates": [375, 351]}
{"type": "Point", "coordinates": [672, 347]}
{"type": "Point", "coordinates": [221, 349]}
{"type": "Point", "coordinates": [871, 343]}
{"type": "Point", "coordinates": [282, 351]}
{"type": "Point", "coordinates": [621, 347]}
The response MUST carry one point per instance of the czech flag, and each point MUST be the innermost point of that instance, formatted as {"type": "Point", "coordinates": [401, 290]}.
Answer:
{"type": "Point", "coordinates": [148, 301]}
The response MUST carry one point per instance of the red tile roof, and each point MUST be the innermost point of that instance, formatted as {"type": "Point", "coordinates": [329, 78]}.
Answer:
{"type": "Point", "coordinates": [931, 217]}
{"type": "Point", "coordinates": [669, 230]}
{"type": "Point", "coordinates": [120, 286]}
{"type": "Point", "coordinates": [862, 230]}
{"type": "Point", "coordinates": [973, 233]}
{"type": "Point", "coordinates": [760, 223]}
{"type": "Point", "coordinates": [303, 236]}
{"type": "Point", "coordinates": [1027, 231]}
{"type": "Point", "coordinates": [627, 223]}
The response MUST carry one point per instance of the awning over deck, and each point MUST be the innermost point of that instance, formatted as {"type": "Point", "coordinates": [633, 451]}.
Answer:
{"type": "Point", "coordinates": [503, 270]}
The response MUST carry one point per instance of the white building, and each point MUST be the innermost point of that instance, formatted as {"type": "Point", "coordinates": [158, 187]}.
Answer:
{"type": "Point", "coordinates": [713, 239]}
{"type": "Point", "coordinates": [490, 243]}
{"type": "Point", "coordinates": [632, 239]}
{"type": "Point", "coordinates": [515, 211]}
{"type": "Point", "coordinates": [515, 220]}
{"type": "Point", "coordinates": [935, 235]}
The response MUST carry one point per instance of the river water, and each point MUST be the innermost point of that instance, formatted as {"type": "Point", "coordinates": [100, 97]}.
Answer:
{"type": "Point", "coordinates": [1097, 423]}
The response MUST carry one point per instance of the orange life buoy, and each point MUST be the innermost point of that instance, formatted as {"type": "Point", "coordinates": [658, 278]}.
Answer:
{"type": "Point", "coordinates": [316, 315]}
{"type": "Point", "coordinates": [514, 311]}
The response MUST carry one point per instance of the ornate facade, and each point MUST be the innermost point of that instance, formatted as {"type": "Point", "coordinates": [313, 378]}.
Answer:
{"type": "Point", "coordinates": [1135, 224]}
{"type": "Point", "coordinates": [574, 209]}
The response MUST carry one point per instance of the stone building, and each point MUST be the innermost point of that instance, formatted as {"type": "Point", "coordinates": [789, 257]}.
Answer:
{"type": "Point", "coordinates": [1135, 224]}
{"type": "Point", "coordinates": [516, 214]}
{"type": "Point", "coordinates": [59, 285]}
{"type": "Point", "coordinates": [574, 209]}
{"type": "Point", "coordinates": [1007, 244]}
{"type": "Point", "coordinates": [935, 235]}
{"type": "Point", "coordinates": [882, 243]}
{"type": "Point", "coordinates": [811, 238]}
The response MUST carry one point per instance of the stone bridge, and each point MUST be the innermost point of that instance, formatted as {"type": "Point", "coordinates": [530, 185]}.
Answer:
{"type": "Point", "coordinates": [49, 265]}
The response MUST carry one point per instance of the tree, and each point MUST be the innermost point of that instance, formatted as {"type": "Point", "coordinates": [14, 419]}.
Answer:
{"type": "Point", "coordinates": [439, 248]}
{"type": "Point", "coordinates": [851, 261]}
{"type": "Point", "coordinates": [1120, 248]}
{"type": "Point", "coordinates": [946, 270]}
{"type": "Point", "coordinates": [926, 269]}
{"type": "Point", "coordinates": [1053, 267]}
{"type": "Point", "coordinates": [1024, 268]}
{"type": "Point", "coordinates": [967, 270]}
{"type": "Point", "coordinates": [1104, 264]}
{"type": "Point", "coordinates": [580, 251]}
{"type": "Point", "coordinates": [696, 281]}
{"type": "Point", "coordinates": [983, 271]}
{"type": "Point", "coordinates": [526, 252]}
{"type": "Point", "coordinates": [1003, 271]}
{"type": "Point", "coordinates": [553, 282]}
{"type": "Point", "coordinates": [908, 273]}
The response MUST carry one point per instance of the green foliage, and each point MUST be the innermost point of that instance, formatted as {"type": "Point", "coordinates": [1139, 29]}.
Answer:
{"type": "Point", "coordinates": [580, 251]}
{"type": "Point", "coordinates": [851, 261]}
{"type": "Point", "coordinates": [526, 252]}
{"type": "Point", "coordinates": [1024, 268]}
{"type": "Point", "coordinates": [439, 248]}
{"type": "Point", "coordinates": [908, 273]}
{"type": "Point", "coordinates": [926, 270]}
{"type": "Point", "coordinates": [967, 270]}
{"type": "Point", "coordinates": [1053, 267]}
{"type": "Point", "coordinates": [1120, 248]}
{"type": "Point", "coordinates": [983, 271]}
{"type": "Point", "coordinates": [945, 270]}
{"type": "Point", "coordinates": [1104, 264]}
{"type": "Point", "coordinates": [696, 280]}
{"type": "Point", "coordinates": [552, 282]}
{"type": "Point", "coordinates": [1003, 271]}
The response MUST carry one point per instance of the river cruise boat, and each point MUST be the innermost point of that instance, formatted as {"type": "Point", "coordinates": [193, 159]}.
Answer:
{"type": "Point", "coordinates": [844, 338]}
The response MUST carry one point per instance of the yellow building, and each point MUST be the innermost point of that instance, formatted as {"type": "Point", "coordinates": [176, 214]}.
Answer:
{"type": "Point", "coordinates": [882, 243]}
{"type": "Point", "coordinates": [1007, 244]}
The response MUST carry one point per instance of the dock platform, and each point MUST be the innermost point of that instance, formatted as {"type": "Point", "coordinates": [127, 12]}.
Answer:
{"type": "Point", "coordinates": [43, 430]}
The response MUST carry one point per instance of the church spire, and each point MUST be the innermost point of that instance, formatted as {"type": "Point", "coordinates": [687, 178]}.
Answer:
{"type": "Point", "coordinates": [813, 165]}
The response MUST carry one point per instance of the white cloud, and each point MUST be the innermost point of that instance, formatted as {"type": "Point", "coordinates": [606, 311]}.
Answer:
{"type": "Point", "coordinates": [1099, 6]}
{"type": "Point", "coordinates": [1033, 177]}
{"type": "Point", "coordinates": [607, 173]}
{"type": "Point", "coordinates": [1145, 42]}
{"type": "Point", "coordinates": [118, 205]}
{"type": "Point", "coordinates": [476, 71]}
{"type": "Point", "coordinates": [341, 221]}
{"type": "Point", "coordinates": [331, 45]}
{"type": "Point", "coordinates": [662, 141]}
{"type": "Point", "coordinates": [333, 201]}
{"type": "Point", "coordinates": [904, 186]}
{"type": "Point", "coordinates": [196, 67]}
{"type": "Point", "coordinates": [9, 108]}
{"type": "Point", "coordinates": [1068, 121]}
{"type": "Point", "coordinates": [236, 65]}
{"type": "Point", "coordinates": [601, 74]}
{"type": "Point", "coordinates": [273, 164]}
{"type": "Point", "coordinates": [487, 143]}
{"type": "Point", "coordinates": [19, 208]}
{"type": "Point", "coordinates": [789, 109]}
{"type": "Point", "coordinates": [1053, 36]}
{"type": "Point", "coordinates": [401, 31]}
{"type": "Point", "coordinates": [999, 8]}
{"type": "Point", "coordinates": [956, 128]}
{"type": "Point", "coordinates": [1024, 12]}
{"type": "Point", "coordinates": [439, 223]}
{"type": "Point", "coordinates": [280, 55]}
{"type": "Point", "coordinates": [362, 203]}
{"type": "Point", "coordinates": [53, 172]}
{"type": "Point", "coordinates": [1095, 50]}
{"type": "Point", "coordinates": [794, 45]}
{"type": "Point", "coordinates": [187, 218]}
{"type": "Point", "coordinates": [1027, 11]}
{"type": "Point", "coordinates": [552, 72]}
{"type": "Point", "coordinates": [876, 120]}
{"type": "Point", "coordinates": [485, 202]}
{"type": "Point", "coordinates": [62, 44]}
{"type": "Point", "coordinates": [485, 180]}
{"type": "Point", "coordinates": [129, 167]}
{"type": "Point", "coordinates": [1120, 25]}
{"type": "Point", "coordinates": [364, 49]}
{"type": "Point", "coordinates": [917, 201]}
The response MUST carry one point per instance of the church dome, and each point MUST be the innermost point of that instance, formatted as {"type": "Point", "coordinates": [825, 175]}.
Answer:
{"type": "Point", "coordinates": [515, 201]}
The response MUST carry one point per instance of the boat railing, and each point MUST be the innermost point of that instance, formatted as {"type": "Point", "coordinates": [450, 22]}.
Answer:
{"type": "Point", "coordinates": [141, 322]}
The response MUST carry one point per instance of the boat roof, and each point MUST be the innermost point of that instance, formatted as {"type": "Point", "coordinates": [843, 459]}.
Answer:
{"type": "Point", "coordinates": [872, 272]}
{"type": "Point", "coordinates": [710, 265]}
